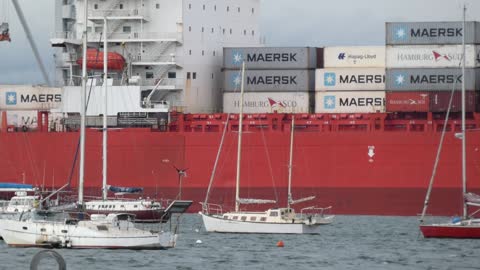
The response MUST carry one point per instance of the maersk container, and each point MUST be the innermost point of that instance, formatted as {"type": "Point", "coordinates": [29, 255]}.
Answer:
{"type": "Point", "coordinates": [432, 56]}
{"type": "Point", "coordinates": [439, 101]}
{"type": "Point", "coordinates": [270, 58]}
{"type": "Point", "coordinates": [28, 97]}
{"type": "Point", "coordinates": [408, 101]}
{"type": "Point", "coordinates": [270, 80]}
{"type": "Point", "coordinates": [350, 102]}
{"type": "Point", "coordinates": [405, 33]}
{"type": "Point", "coordinates": [357, 56]}
{"type": "Point", "coordinates": [284, 102]}
{"type": "Point", "coordinates": [431, 79]}
{"type": "Point", "coordinates": [350, 79]}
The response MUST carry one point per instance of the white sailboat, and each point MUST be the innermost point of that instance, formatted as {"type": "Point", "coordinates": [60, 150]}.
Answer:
{"type": "Point", "coordinates": [271, 221]}
{"type": "Point", "coordinates": [59, 230]}
{"type": "Point", "coordinates": [468, 226]}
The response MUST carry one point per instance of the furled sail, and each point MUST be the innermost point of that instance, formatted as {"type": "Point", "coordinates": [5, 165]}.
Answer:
{"type": "Point", "coordinates": [292, 201]}
{"type": "Point", "coordinates": [255, 201]}
{"type": "Point", "coordinates": [125, 189]}
{"type": "Point", "coordinates": [4, 32]}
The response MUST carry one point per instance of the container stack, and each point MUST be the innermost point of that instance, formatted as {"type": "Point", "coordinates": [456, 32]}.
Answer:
{"type": "Point", "coordinates": [424, 63]}
{"type": "Point", "coordinates": [277, 79]}
{"type": "Point", "coordinates": [351, 81]}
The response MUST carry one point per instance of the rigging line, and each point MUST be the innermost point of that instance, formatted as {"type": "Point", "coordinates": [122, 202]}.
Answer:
{"type": "Point", "coordinates": [439, 150]}
{"type": "Point", "coordinates": [270, 167]}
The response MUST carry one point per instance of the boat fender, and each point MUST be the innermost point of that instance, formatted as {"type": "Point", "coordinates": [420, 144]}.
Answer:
{"type": "Point", "coordinates": [48, 254]}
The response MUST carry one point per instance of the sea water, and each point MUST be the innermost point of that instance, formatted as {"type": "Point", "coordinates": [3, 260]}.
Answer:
{"type": "Point", "coordinates": [351, 242]}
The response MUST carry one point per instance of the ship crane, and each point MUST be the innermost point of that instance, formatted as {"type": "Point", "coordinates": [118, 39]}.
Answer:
{"type": "Point", "coordinates": [4, 28]}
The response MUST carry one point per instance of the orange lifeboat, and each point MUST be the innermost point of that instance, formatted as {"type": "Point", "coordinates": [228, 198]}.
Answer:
{"type": "Point", "coordinates": [95, 60]}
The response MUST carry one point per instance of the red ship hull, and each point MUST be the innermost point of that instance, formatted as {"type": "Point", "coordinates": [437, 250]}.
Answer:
{"type": "Point", "coordinates": [439, 231]}
{"type": "Point", "coordinates": [357, 172]}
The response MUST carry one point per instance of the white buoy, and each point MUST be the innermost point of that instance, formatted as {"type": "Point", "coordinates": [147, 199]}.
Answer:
{"type": "Point", "coordinates": [199, 241]}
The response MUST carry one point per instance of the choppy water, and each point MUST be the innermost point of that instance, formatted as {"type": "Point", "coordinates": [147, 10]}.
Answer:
{"type": "Point", "coordinates": [352, 242]}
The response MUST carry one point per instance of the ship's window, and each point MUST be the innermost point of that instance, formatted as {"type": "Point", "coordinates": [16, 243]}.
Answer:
{"type": "Point", "coordinates": [114, 207]}
{"type": "Point", "coordinates": [203, 52]}
{"type": "Point", "coordinates": [215, 8]}
{"type": "Point", "coordinates": [253, 32]}
{"type": "Point", "coordinates": [121, 6]}
{"type": "Point", "coordinates": [110, 206]}
{"type": "Point", "coordinates": [203, 7]}
{"type": "Point", "coordinates": [64, 231]}
{"type": "Point", "coordinates": [263, 219]}
{"type": "Point", "coordinates": [213, 53]}
{"type": "Point", "coordinates": [122, 206]}
{"type": "Point", "coordinates": [230, 31]}
{"type": "Point", "coordinates": [213, 30]}
{"type": "Point", "coordinates": [188, 75]}
{"type": "Point", "coordinates": [213, 76]}
{"type": "Point", "coordinates": [234, 218]}
{"type": "Point", "coordinates": [189, 6]}
{"type": "Point", "coordinates": [95, 6]}
{"type": "Point", "coordinates": [157, 6]}
{"type": "Point", "coordinates": [127, 29]}
{"type": "Point", "coordinates": [274, 214]}
{"type": "Point", "coordinates": [135, 206]}
{"type": "Point", "coordinates": [99, 206]}
{"type": "Point", "coordinates": [189, 29]}
{"type": "Point", "coordinates": [244, 218]}
{"type": "Point", "coordinates": [203, 29]}
{"type": "Point", "coordinates": [25, 228]}
{"type": "Point", "coordinates": [172, 75]}
{"type": "Point", "coordinates": [224, 31]}
{"type": "Point", "coordinates": [194, 75]}
{"type": "Point", "coordinates": [253, 218]}
{"type": "Point", "coordinates": [190, 52]}
{"type": "Point", "coordinates": [149, 75]}
{"type": "Point", "coordinates": [102, 228]}
{"type": "Point", "coordinates": [43, 230]}
{"type": "Point", "coordinates": [253, 10]}
{"type": "Point", "coordinates": [228, 9]}
{"type": "Point", "coordinates": [98, 29]}
{"type": "Point", "coordinates": [244, 32]}
{"type": "Point", "coordinates": [225, 217]}
{"type": "Point", "coordinates": [238, 9]}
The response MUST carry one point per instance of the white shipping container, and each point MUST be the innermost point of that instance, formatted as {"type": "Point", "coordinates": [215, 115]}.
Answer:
{"type": "Point", "coordinates": [350, 102]}
{"type": "Point", "coordinates": [357, 56]}
{"type": "Point", "coordinates": [350, 79]}
{"type": "Point", "coordinates": [432, 56]}
{"type": "Point", "coordinates": [28, 119]}
{"type": "Point", "coordinates": [27, 97]}
{"type": "Point", "coordinates": [255, 102]}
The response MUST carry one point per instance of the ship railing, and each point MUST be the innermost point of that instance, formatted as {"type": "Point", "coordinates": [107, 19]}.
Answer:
{"type": "Point", "coordinates": [112, 13]}
{"type": "Point", "coordinates": [211, 208]}
{"type": "Point", "coordinates": [167, 36]}
{"type": "Point", "coordinates": [315, 212]}
{"type": "Point", "coordinates": [64, 35]}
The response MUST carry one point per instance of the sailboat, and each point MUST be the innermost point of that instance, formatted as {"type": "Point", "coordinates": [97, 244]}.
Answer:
{"type": "Point", "coordinates": [467, 226]}
{"type": "Point", "coordinates": [59, 230]}
{"type": "Point", "coordinates": [271, 221]}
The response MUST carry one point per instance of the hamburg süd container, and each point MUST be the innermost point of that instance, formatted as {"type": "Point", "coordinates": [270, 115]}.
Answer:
{"type": "Point", "coordinates": [411, 33]}
{"type": "Point", "coordinates": [28, 97]}
{"type": "Point", "coordinates": [270, 58]}
{"type": "Point", "coordinates": [284, 102]}
{"type": "Point", "coordinates": [350, 79]}
{"type": "Point", "coordinates": [350, 102]}
{"type": "Point", "coordinates": [354, 56]}
{"type": "Point", "coordinates": [432, 56]}
{"type": "Point", "coordinates": [270, 80]}
{"type": "Point", "coordinates": [431, 79]}
{"type": "Point", "coordinates": [408, 101]}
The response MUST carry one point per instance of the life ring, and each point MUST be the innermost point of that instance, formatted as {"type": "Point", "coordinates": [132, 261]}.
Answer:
{"type": "Point", "coordinates": [48, 254]}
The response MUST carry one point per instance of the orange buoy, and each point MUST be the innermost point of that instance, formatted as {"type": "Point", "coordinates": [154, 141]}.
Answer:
{"type": "Point", "coordinates": [280, 244]}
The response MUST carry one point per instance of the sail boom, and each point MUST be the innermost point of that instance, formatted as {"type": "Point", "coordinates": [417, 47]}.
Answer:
{"type": "Point", "coordinates": [302, 200]}
{"type": "Point", "coordinates": [255, 201]}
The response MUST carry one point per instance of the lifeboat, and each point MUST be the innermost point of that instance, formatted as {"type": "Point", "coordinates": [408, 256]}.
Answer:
{"type": "Point", "coordinates": [95, 60]}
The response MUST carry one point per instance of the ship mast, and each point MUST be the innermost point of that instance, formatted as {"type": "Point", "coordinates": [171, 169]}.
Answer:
{"type": "Point", "coordinates": [83, 99]}
{"type": "Point", "coordinates": [105, 126]}
{"type": "Point", "coordinates": [290, 164]}
{"type": "Point", "coordinates": [464, 139]}
{"type": "Point", "coordinates": [239, 149]}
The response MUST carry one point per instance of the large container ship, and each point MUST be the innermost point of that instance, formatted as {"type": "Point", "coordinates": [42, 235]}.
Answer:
{"type": "Point", "coordinates": [368, 119]}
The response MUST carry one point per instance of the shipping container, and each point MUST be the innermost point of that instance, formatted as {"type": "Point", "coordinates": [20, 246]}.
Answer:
{"type": "Point", "coordinates": [320, 57]}
{"type": "Point", "coordinates": [430, 79]}
{"type": "Point", "coordinates": [350, 102]}
{"type": "Point", "coordinates": [350, 79]}
{"type": "Point", "coordinates": [27, 97]}
{"type": "Point", "coordinates": [284, 102]}
{"type": "Point", "coordinates": [270, 58]}
{"type": "Point", "coordinates": [432, 56]}
{"type": "Point", "coordinates": [439, 101]}
{"type": "Point", "coordinates": [270, 80]}
{"type": "Point", "coordinates": [22, 119]}
{"type": "Point", "coordinates": [358, 56]}
{"type": "Point", "coordinates": [408, 101]}
{"type": "Point", "coordinates": [405, 33]}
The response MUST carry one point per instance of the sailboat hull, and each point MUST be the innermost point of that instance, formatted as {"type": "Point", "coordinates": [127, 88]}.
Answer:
{"type": "Point", "coordinates": [81, 236]}
{"type": "Point", "coordinates": [218, 224]}
{"type": "Point", "coordinates": [451, 231]}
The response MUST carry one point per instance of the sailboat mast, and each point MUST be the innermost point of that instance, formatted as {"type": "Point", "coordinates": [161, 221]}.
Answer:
{"type": "Point", "coordinates": [239, 148]}
{"type": "Point", "coordinates": [290, 164]}
{"type": "Point", "coordinates": [105, 78]}
{"type": "Point", "coordinates": [83, 101]}
{"type": "Point", "coordinates": [464, 139]}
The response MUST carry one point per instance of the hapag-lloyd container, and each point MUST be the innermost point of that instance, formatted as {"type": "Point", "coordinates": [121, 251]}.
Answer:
{"type": "Point", "coordinates": [432, 56]}
{"type": "Point", "coordinates": [431, 79]}
{"type": "Point", "coordinates": [350, 102]}
{"type": "Point", "coordinates": [410, 33]}
{"type": "Point", "coordinates": [270, 80]}
{"type": "Point", "coordinates": [350, 79]}
{"type": "Point", "coordinates": [356, 56]}
{"type": "Point", "coordinates": [407, 101]}
{"type": "Point", "coordinates": [285, 102]}
{"type": "Point", "coordinates": [270, 58]}
{"type": "Point", "coordinates": [439, 101]}
{"type": "Point", "coordinates": [27, 97]}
